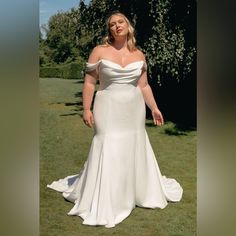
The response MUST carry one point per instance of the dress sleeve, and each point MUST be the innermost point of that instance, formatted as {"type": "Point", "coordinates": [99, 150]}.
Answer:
{"type": "Point", "coordinates": [91, 66]}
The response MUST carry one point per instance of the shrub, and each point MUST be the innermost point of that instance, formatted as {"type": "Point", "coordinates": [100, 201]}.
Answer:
{"type": "Point", "coordinates": [50, 72]}
{"type": "Point", "coordinates": [73, 70]}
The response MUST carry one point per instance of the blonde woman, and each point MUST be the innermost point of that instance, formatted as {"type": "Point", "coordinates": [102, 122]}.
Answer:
{"type": "Point", "coordinates": [121, 171]}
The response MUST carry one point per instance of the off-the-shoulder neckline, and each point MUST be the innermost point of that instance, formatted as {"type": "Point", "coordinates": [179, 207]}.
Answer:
{"type": "Point", "coordinates": [122, 67]}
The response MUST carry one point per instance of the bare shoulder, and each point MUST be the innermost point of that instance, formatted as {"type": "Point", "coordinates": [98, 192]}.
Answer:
{"type": "Point", "coordinates": [100, 48]}
{"type": "Point", "coordinates": [140, 54]}
{"type": "Point", "coordinates": [97, 53]}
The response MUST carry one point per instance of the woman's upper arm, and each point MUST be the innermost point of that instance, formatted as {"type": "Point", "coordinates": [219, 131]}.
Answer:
{"type": "Point", "coordinates": [143, 81]}
{"type": "Point", "coordinates": [92, 75]}
{"type": "Point", "coordinates": [90, 78]}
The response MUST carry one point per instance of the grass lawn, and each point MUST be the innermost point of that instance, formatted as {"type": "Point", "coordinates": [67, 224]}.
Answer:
{"type": "Point", "coordinates": [64, 146]}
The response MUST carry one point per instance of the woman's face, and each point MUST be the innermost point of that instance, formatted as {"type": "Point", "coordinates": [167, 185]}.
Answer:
{"type": "Point", "coordinates": [118, 26]}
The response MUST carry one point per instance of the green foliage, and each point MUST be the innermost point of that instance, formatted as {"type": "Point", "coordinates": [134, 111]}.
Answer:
{"type": "Point", "coordinates": [173, 129]}
{"type": "Point", "coordinates": [92, 26]}
{"type": "Point", "coordinates": [74, 70]}
{"type": "Point", "coordinates": [44, 55]}
{"type": "Point", "coordinates": [60, 43]}
{"type": "Point", "coordinates": [50, 72]}
{"type": "Point", "coordinates": [63, 51]}
{"type": "Point", "coordinates": [166, 49]}
{"type": "Point", "coordinates": [169, 50]}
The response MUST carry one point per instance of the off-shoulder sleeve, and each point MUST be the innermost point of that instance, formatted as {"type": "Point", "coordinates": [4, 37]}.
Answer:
{"type": "Point", "coordinates": [92, 66]}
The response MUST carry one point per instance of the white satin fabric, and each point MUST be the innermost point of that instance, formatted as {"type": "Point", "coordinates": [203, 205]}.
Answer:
{"type": "Point", "coordinates": [121, 170]}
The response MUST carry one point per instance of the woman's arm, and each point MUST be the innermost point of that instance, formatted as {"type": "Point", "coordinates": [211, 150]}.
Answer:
{"type": "Point", "coordinates": [88, 91]}
{"type": "Point", "coordinates": [90, 81]}
{"type": "Point", "coordinates": [149, 99]}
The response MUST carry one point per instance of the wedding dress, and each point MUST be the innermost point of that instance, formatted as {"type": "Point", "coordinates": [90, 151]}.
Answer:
{"type": "Point", "coordinates": [121, 170]}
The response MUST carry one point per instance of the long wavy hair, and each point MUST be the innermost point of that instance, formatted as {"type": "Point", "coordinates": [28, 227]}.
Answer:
{"type": "Point", "coordinates": [131, 41]}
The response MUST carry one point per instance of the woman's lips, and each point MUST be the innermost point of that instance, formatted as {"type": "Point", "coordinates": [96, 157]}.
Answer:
{"type": "Point", "coordinates": [119, 30]}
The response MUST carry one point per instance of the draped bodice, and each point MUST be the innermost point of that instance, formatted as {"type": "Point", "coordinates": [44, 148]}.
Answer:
{"type": "Point", "coordinates": [112, 73]}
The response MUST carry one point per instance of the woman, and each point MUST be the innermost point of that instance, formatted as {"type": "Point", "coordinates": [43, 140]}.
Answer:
{"type": "Point", "coordinates": [121, 170]}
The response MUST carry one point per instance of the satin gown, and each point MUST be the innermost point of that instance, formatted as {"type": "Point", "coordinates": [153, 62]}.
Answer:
{"type": "Point", "coordinates": [121, 170]}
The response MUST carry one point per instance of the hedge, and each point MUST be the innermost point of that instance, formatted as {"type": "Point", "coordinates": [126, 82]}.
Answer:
{"type": "Point", "coordinates": [73, 70]}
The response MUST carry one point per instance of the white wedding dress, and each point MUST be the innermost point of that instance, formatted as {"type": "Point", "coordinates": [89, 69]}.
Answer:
{"type": "Point", "coordinates": [121, 170]}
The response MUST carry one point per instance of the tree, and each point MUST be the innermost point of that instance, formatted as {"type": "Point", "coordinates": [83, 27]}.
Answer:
{"type": "Point", "coordinates": [168, 54]}
{"type": "Point", "coordinates": [165, 31]}
{"type": "Point", "coordinates": [61, 38]}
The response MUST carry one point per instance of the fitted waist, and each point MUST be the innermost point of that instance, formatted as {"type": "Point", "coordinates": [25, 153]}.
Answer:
{"type": "Point", "coordinates": [122, 94]}
{"type": "Point", "coordinates": [117, 87]}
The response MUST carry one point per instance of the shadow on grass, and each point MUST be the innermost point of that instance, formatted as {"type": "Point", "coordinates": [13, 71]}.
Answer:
{"type": "Point", "coordinates": [76, 108]}
{"type": "Point", "coordinates": [79, 94]}
{"type": "Point", "coordinates": [81, 81]}
{"type": "Point", "coordinates": [172, 129]}
{"type": "Point", "coordinates": [178, 129]}
{"type": "Point", "coordinates": [68, 103]}
{"type": "Point", "coordinates": [70, 114]}
{"type": "Point", "coordinates": [77, 104]}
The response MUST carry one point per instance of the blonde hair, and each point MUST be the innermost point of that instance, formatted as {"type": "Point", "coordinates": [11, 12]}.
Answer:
{"type": "Point", "coordinates": [131, 41]}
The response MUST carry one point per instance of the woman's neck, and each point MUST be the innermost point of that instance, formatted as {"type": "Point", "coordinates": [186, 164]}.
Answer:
{"type": "Point", "coordinates": [120, 43]}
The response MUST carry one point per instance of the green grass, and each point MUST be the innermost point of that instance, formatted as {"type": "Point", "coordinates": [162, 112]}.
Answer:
{"type": "Point", "coordinates": [64, 146]}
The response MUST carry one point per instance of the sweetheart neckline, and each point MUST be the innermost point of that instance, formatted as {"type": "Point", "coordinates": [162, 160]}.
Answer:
{"type": "Point", "coordinates": [121, 67]}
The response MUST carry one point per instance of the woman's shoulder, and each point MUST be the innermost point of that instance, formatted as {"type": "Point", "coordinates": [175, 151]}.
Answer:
{"type": "Point", "coordinates": [100, 48]}
{"type": "Point", "coordinates": [139, 53]}
{"type": "Point", "coordinates": [97, 52]}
